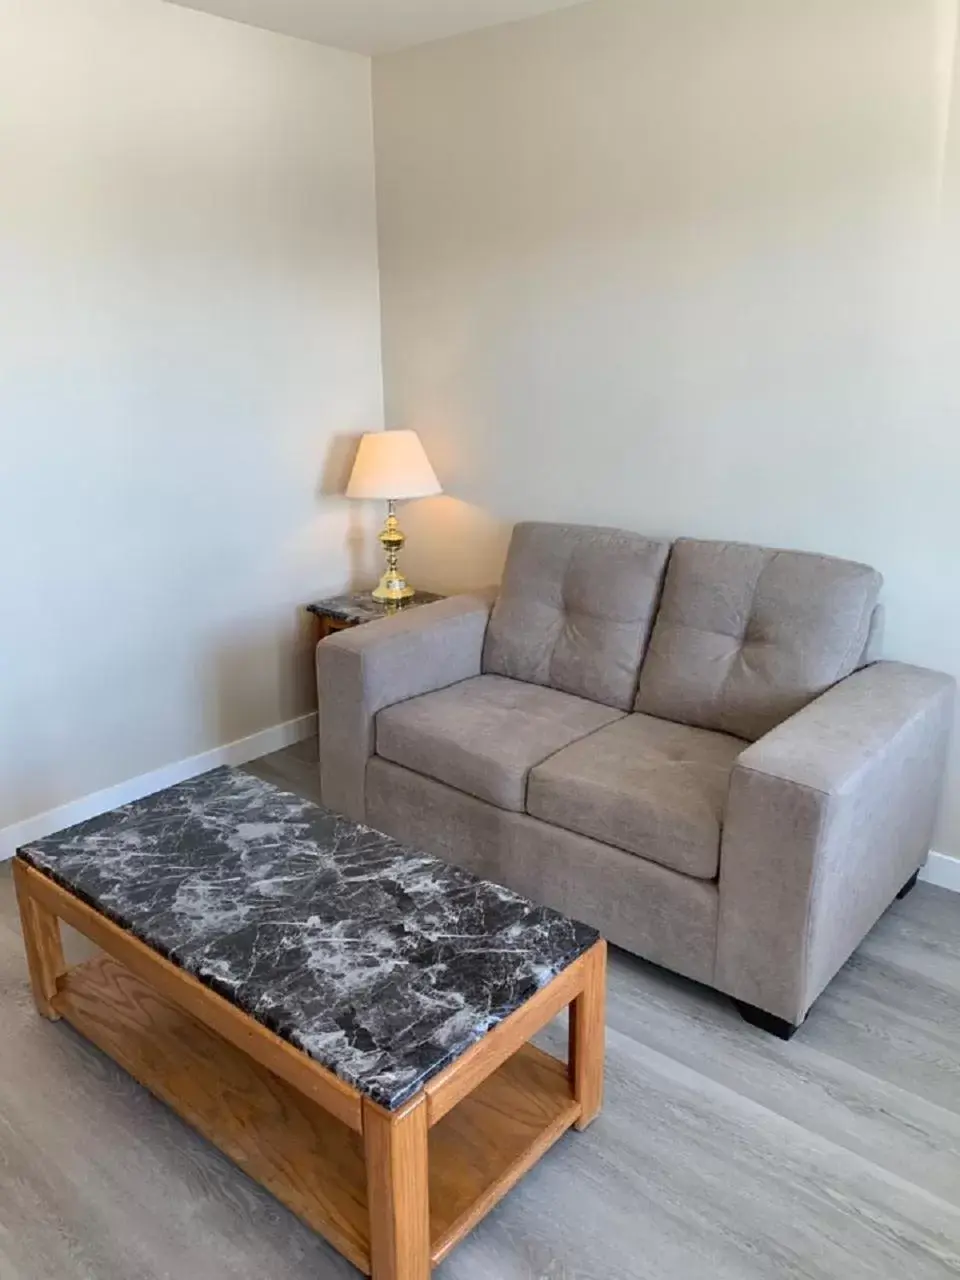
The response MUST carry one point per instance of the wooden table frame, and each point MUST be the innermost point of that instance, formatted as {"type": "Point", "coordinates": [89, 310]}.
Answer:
{"type": "Point", "coordinates": [393, 1191]}
{"type": "Point", "coordinates": [326, 625]}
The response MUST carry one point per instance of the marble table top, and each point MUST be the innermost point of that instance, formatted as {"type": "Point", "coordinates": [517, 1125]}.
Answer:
{"type": "Point", "coordinates": [382, 964]}
{"type": "Point", "coordinates": [361, 606]}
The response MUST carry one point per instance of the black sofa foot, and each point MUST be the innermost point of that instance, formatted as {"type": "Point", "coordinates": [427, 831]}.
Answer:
{"type": "Point", "coordinates": [778, 1027]}
{"type": "Point", "coordinates": [908, 886]}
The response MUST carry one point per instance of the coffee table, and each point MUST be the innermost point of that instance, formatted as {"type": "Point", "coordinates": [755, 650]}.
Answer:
{"type": "Point", "coordinates": [348, 1020]}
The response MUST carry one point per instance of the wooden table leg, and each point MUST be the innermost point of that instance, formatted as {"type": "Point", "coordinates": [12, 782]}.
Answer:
{"type": "Point", "coordinates": [41, 940]}
{"type": "Point", "coordinates": [398, 1190]}
{"type": "Point", "coordinates": [588, 1036]}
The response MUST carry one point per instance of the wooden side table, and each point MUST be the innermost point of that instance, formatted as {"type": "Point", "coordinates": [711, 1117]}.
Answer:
{"type": "Point", "coordinates": [339, 613]}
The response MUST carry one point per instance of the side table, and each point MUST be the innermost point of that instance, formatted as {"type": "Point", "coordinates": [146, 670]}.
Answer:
{"type": "Point", "coordinates": [339, 613]}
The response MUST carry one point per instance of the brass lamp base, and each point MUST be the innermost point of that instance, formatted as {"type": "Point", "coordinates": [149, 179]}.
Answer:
{"type": "Point", "coordinates": [393, 585]}
{"type": "Point", "coordinates": [393, 589]}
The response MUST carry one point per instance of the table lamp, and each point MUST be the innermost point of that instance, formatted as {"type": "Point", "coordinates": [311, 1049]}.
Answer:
{"type": "Point", "coordinates": [392, 465]}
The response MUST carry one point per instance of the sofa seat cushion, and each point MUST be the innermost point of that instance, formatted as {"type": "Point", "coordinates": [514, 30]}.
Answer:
{"type": "Point", "coordinates": [647, 786]}
{"type": "Point", "coordinates": [483, 736]}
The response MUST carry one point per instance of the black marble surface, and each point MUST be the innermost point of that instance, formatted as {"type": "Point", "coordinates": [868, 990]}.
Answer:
{"type": "Point", "coordinates": [361, 606]}
{"type": "Point", "coordinates": [382, 964]}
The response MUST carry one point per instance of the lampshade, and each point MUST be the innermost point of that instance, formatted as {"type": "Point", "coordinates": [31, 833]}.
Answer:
{"type": "Point", "coordinates": [392, 464]}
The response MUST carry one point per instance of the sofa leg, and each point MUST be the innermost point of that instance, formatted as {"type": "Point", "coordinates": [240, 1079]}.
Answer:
{"type": "Point", "coordinates": [908, 886]}
{"type": "Point", "coordinates": [778, 1027]}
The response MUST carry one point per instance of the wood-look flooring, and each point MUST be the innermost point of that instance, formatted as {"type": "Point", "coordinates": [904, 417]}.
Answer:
{"type": "Point", "coordinates": [721, 1154]}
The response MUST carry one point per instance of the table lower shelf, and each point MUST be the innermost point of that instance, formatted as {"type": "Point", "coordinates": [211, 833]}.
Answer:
{"type": "Point", "coordinates": [308, 1159]}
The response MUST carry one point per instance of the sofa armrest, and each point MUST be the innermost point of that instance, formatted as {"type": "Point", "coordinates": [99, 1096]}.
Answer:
{"type": "Point", "coordinates": [359, 672]}
{"type": "Point", "coordinates": [827, 817]}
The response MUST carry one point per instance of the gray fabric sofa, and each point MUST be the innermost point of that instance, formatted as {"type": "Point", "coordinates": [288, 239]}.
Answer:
{"type": "Point", "coordinates": [693, 747]}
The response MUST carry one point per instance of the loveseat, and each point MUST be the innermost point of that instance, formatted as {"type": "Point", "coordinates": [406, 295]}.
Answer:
{"type": "Point", "coordinates": [693, 747]}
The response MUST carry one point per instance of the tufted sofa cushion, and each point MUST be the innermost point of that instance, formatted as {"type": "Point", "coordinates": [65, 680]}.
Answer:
{"type": "Point", "coordinates": [644, 785]}
{"type": "Point", "coordinates": [483, 736]}
{"type": "Point", "coordinates": [746, 636]}
{"type": "Point", "coordinates": [575, 610]}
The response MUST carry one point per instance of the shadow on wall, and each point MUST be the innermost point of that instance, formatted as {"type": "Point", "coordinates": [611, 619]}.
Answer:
{"type": "Point", "coordinates": [260, 662]}
{"type": "Point", "coordinates": [361, 544]}
{"type": "Point", "coordinates": [259, 665]}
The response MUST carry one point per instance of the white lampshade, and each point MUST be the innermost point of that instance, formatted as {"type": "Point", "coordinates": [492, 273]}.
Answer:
{"type": "Point", "coordinates": [392, 464]}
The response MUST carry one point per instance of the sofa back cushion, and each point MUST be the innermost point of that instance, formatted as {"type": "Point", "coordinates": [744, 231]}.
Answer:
{"type": "Point", "coordinates": [575, 610]}
{"type": "Point", "coordinates": [746, 636]}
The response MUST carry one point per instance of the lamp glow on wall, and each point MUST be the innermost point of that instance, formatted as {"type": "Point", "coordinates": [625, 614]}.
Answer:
{"type": "Point", "coordinates": [392, 466]}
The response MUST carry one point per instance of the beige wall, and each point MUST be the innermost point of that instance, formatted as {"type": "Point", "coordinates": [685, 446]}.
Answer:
{"type": "Point", "coordinates": [189, 317]}
{"type": "Point", "coordinates": [680, 266]}
{"type": "Point", "coordinates": [684, 267]}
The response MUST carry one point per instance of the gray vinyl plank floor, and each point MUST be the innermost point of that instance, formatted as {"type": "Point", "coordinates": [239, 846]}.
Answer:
{"type": "Point", "coordinates": [721, 1154]}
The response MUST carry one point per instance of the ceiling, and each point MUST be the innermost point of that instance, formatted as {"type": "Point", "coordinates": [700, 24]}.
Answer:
{"type": "Point", "coordinates": [374, 26]}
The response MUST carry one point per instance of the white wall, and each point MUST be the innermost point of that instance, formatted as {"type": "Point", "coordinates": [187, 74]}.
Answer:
{"type": "Point", "coordinates": [189, 317]}
{"type": "Point", "coordinates": [675, 266]}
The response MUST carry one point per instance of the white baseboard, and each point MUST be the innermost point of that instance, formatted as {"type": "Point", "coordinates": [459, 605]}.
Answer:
{"type": "Point", "coordinates": [942, 870]}
{"type": "Point", "coordinates": [233, 753]}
